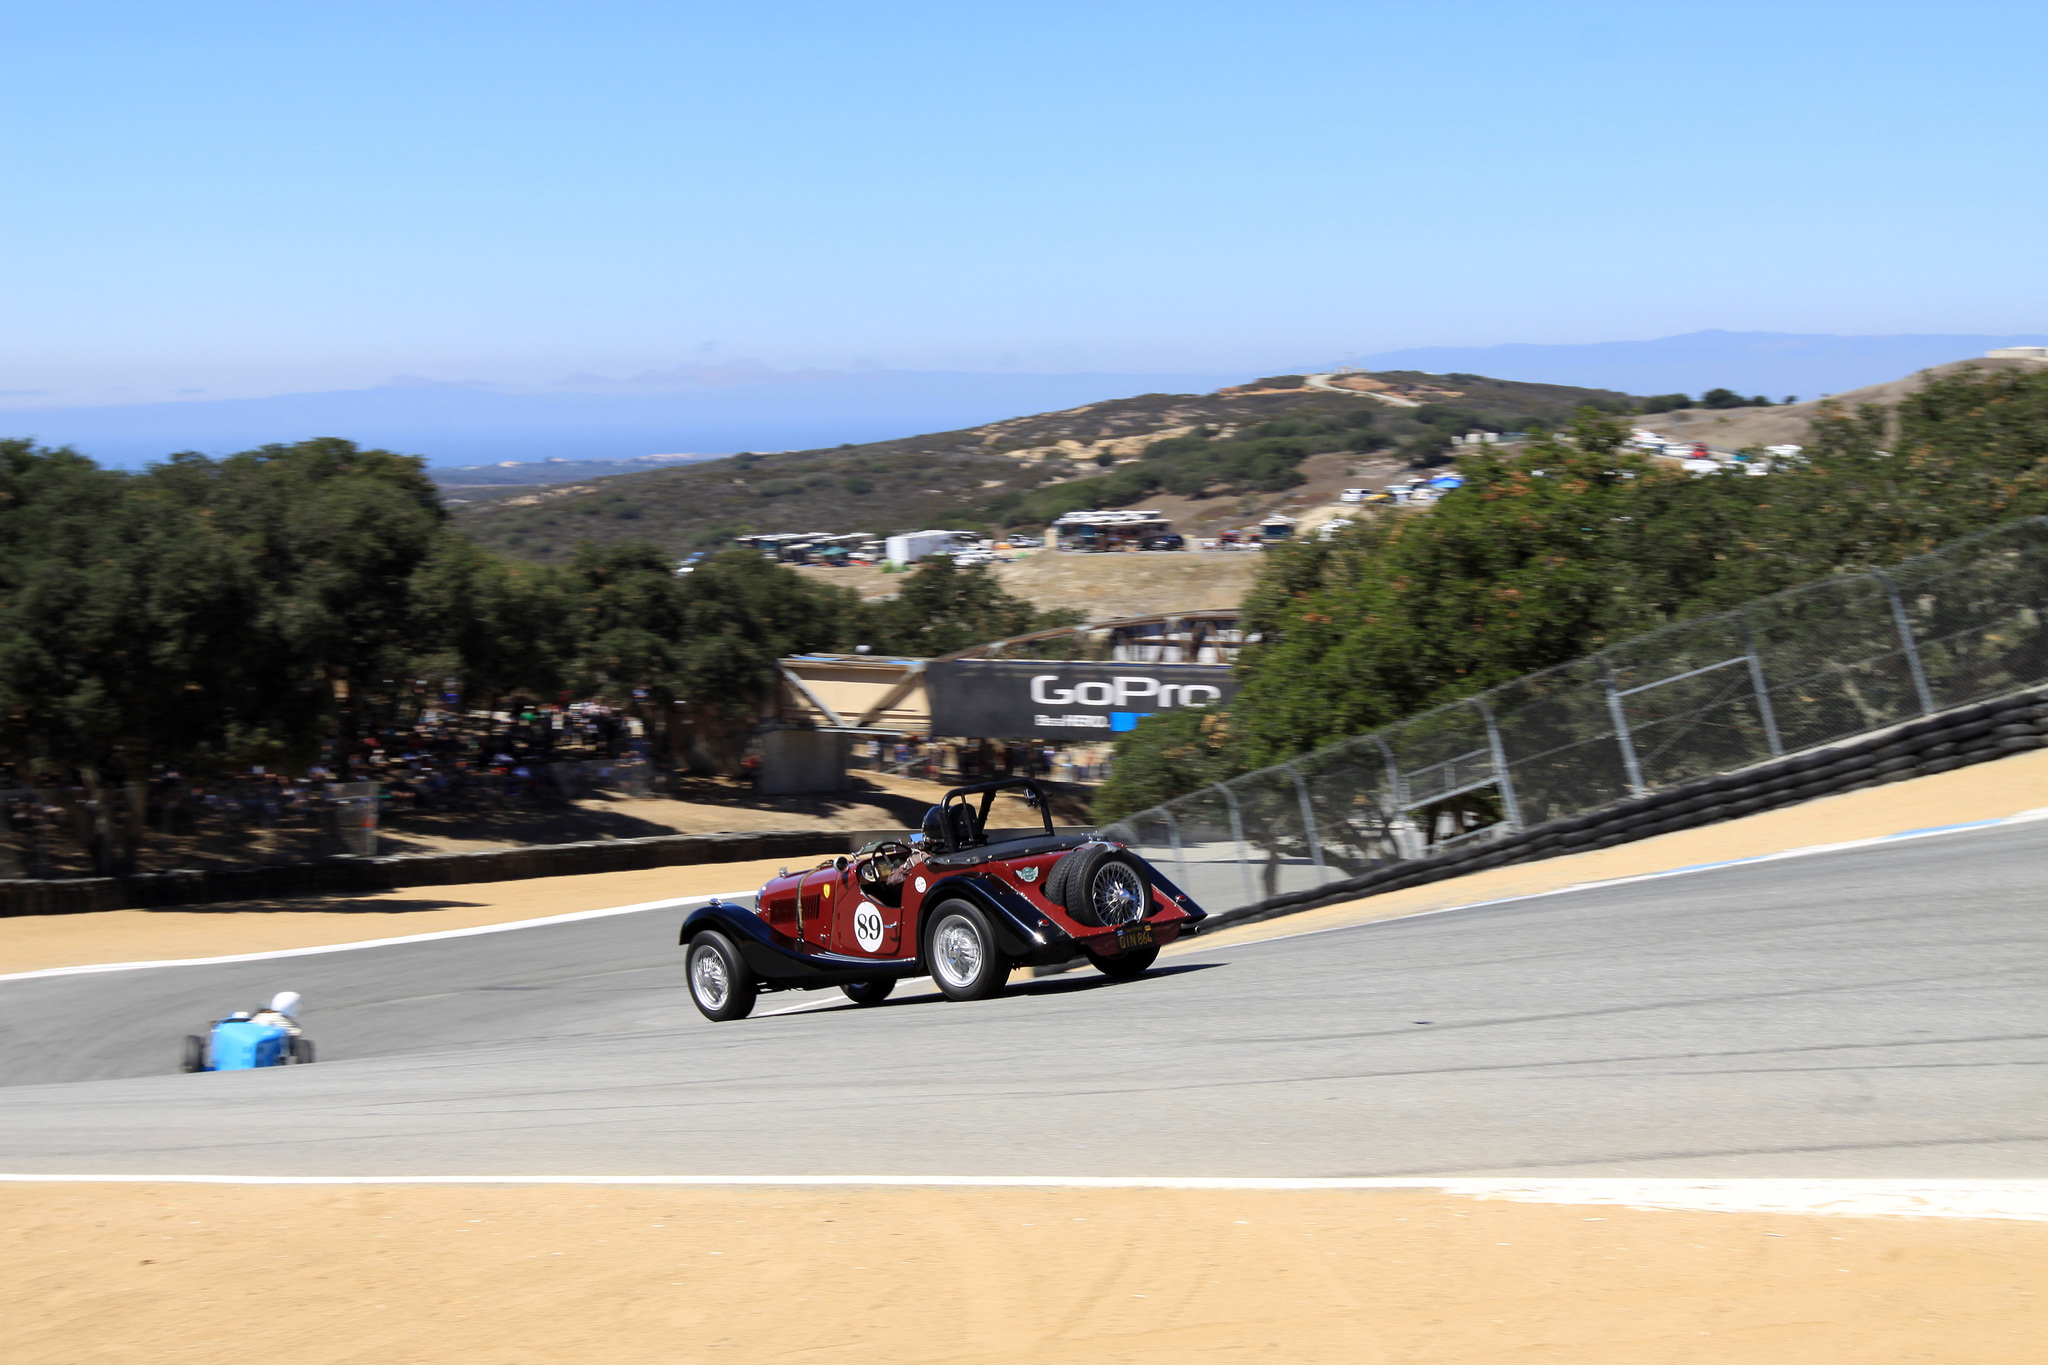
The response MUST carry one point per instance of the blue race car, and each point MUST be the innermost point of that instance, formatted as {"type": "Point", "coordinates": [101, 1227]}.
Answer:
{"type": "Point", "coordinates": [243, 1041]}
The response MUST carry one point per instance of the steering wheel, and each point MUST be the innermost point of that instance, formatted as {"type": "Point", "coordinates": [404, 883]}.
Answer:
{"type": "Point", "coordinates": [891, 853]}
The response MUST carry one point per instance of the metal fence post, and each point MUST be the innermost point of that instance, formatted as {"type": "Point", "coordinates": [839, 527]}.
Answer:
{"type": "Point", "coordinates": [1308, 821]}
{"type": "Point", "coordinates": [1763, 691]}
{"type": "Point", "coordinates": [1399, 819]}
{"type": "Point", "coordinates": [1393, 771]}
{"type": "Point", "coordinates": [1180, 861]}
{"type": "Point", "coordinates": [1509, 804]}
{"type": "Point", "coordinates": [1621, 734]}
{"type": "Point", "coordinates": [1244, 870]}
{"type": "Point", "coordinates": [1907, 642]}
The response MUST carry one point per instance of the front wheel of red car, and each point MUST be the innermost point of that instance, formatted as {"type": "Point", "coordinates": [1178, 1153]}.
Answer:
{"type": "Point", "coordinates": [967, 962]}
{"type": "Point", "coordinates": [1127, 966]}
{"type": "Point", "coordinates": [720, 984]}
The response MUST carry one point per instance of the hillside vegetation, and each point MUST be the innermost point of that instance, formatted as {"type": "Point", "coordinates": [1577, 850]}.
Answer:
{"type": "Point", "coordinates": [277, 605]}
{"type": "Point", "coordinates": [1018, 472]}
{"type": "Point", "coordinates": [1550, 552]}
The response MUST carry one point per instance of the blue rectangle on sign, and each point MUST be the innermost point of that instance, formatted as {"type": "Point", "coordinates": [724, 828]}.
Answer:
{"type": "Point", "coordinates": [1126, 720]}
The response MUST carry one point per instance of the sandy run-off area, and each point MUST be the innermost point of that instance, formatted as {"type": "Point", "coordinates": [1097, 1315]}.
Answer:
{"type": "Point", "coordinates": [208, 1275]}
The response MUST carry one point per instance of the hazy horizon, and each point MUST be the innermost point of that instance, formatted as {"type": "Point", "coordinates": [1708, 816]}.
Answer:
{"type": "Point", "coordinates": [717, 411]}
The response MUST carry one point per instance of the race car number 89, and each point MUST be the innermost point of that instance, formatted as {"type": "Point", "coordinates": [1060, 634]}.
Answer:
{"type": "Point", "coordinates": [867, 928]}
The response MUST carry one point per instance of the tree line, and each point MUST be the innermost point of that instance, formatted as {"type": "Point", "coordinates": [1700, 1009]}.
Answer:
{"type": "Point", "coordinates": [1549, 553]}
{"type": "Point", "coordinates": [272, 605]}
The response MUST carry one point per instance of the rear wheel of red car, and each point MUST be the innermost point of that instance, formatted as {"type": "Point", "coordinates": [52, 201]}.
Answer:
{"type": "Point", "coordinates": [870, 992]}
{"type": "Point", "coordinates": [1127, 966]}
{"type": "Point", "coordinates": [1108, 887]}
{"type": "Point", "coordinates": [720, 984]}
{"type": "Point", "coordinates": [967, 962]}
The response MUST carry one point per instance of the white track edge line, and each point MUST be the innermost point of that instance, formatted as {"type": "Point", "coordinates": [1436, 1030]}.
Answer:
{"type": "Point", "coordinates": [2021, 1200]}
{"type": "Point", "coordinates": [428, 937]}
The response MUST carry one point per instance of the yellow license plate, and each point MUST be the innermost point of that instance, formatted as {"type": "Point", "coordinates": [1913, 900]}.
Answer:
{"type": "Point", "coordinates": [1137, 936]}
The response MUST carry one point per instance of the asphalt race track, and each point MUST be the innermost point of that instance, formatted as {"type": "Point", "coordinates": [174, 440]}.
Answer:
{"type": "Point", "coordinates": [1879, 1012]}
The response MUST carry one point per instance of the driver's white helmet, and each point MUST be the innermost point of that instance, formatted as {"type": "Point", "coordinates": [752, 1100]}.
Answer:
{"type": "Point", "coordinates": [285, 1002]}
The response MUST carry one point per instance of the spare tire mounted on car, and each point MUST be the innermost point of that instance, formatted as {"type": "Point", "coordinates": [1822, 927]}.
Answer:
{"type": "Point", "coordinates": [1101, 886]}
{"type": "Point", "coordinates": [1056, 879]}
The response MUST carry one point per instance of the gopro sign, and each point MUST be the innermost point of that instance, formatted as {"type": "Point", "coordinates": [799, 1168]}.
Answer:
{"type": "Point", "coordinates": [1124, 692]}
{"type": "Point", "coordinates": [1051, 699]}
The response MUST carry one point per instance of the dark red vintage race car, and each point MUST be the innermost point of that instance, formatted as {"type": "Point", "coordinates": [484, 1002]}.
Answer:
{"type": "Point", "coordinates": [949, 903]}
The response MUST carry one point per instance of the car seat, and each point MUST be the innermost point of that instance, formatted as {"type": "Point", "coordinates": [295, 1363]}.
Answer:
{"type": "Point", "coordinates": [951, 827]}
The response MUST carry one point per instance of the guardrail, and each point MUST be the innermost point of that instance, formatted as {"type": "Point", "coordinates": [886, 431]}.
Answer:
{"type": "Point", "coordinates": [1650, 720]}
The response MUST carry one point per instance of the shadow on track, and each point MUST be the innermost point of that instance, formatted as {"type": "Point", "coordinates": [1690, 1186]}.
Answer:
{"type": "Point", "coordinates": [1077, 984]}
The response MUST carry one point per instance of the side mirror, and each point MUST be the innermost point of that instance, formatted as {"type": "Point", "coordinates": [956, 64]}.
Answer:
{"type": "Point", "coordinates": [839, 863]}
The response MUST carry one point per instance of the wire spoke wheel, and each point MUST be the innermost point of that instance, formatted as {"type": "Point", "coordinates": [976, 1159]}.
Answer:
{"type": "Point", "coordinates": [1117, 894]}
{"type": "Point", "coordinates": [707, 978]}
{"type": "Point", "coordinates": [957, 953]}
{"type": "Point", "coordinates": [720, 985]}
{"type": "Point", "coordinates": [967, 963]}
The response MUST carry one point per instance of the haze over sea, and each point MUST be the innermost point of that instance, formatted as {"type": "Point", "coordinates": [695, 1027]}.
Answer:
{"type": "Point", "coordinates": [723, 411]}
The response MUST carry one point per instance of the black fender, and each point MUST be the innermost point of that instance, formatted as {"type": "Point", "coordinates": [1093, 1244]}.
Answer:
{"type": "Point", "coordinates": [1023, 931]}
{"type": "Point", "coordinates": [777, 963]}
{"type": "Point", "coordinates": [1195, 913]}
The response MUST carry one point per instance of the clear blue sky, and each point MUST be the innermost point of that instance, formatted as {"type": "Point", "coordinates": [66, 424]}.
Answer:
{"type": "Point", "coordinates": [243, 198]}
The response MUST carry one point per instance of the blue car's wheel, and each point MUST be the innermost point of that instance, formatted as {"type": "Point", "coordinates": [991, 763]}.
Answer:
{"type": "Point", "coordinates": [195, 1053]}
{"type": "Point", "coordinates": [302, 1052]}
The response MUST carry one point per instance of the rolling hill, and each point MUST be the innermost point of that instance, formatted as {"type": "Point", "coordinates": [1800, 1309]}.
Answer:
{"type": "Point", "coordinates": [1014, 471]}
{"type": "Point", "coordinates": [1739, 428]}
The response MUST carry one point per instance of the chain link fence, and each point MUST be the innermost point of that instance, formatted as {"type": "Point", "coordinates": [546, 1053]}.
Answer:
{"type": "Point", "coordinates": [1805, 667]}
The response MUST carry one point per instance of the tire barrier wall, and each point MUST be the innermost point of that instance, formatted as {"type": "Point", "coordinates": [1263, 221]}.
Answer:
{"type": "Point", "coordinates": [363, 876]}
{"type": "Point", "coordinates": [1938, 744]}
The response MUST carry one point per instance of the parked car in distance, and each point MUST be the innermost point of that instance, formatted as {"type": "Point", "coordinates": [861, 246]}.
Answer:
{"type": "Point", "coordinates": [1025, 542]}
{"type": "Point", "coordinates": [1169, 541]}
{"type": "Point", "coordinates": [1354, 495]}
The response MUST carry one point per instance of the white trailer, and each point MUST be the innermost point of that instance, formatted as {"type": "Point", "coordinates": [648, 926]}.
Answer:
{"type": "Point", "coordinates": [912, 546]}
